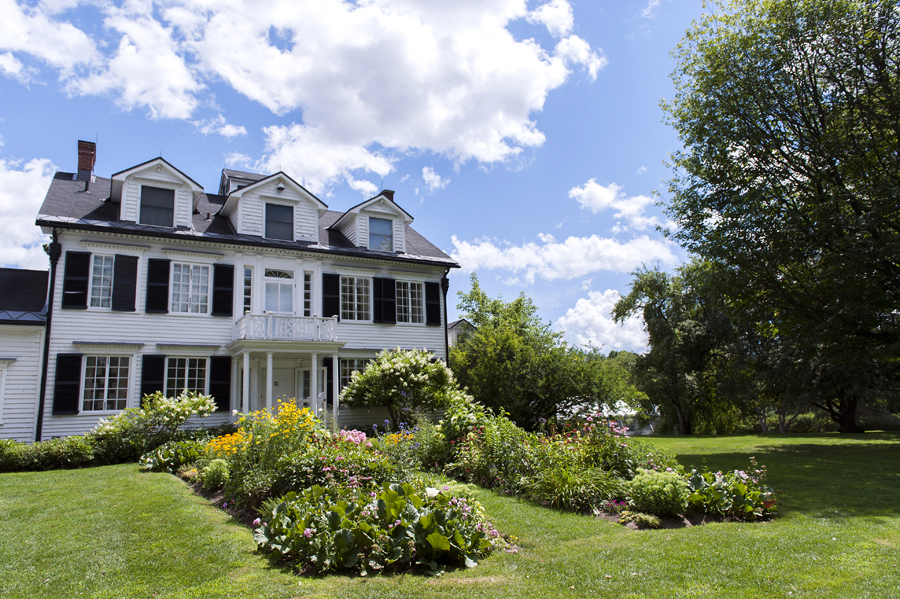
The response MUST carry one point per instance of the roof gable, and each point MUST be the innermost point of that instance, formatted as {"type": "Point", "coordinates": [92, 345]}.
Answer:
{"type": "Point", "coordinates": [157, 171]}
{"type": "Point", "coordinates": [282, 182]}
{"type": "Point", "coordinates": [383, 202]}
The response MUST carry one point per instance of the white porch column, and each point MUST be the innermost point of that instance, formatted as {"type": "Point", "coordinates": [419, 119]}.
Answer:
{"type": "Point", "coordinates": [257, 289]}
{"type": "Point", "coordinates": [238, 297]}
{"type": "Point", "coordinates": [314, 382]}
{"type": "Point", "coordinates": [245, 399]}
{"type": "Point", "coordinates": [336, 386]}
{"type": "Point", "coordinates": [269, 379]}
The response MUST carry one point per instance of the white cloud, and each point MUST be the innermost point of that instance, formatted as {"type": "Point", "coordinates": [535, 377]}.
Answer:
{"type": "Point", "coordinates": [648, 13]}
{"type": "Point", "coordinates": [310, 156]}
{"type": "Point", "coordinates": [21, 195]}
{"type": "Point", "coordinates": [32, 30]}
{"type": "Point", "coordinates": [642, 170]}
{"type": "Point", "coordinates": [433, 180]}
{"type": "Point", "coordinates": [366, 188]}
{"type": "Point", "coordinates": [597, 198]}
{"type": "Point", "coordinates": [369, 79]}
{"type": "Point", "coordinates": [556, 15]}
{"type": "Point", "coordinates": [148, 69]}
{"type": "Point", "coordinates": [221, 126]}
{"type": "Point", "coordinates": [238, 160]}
{"type": "Point", "coordinates": [589, 322]}
{"type": "Point", "coordinates": [576, 51]}
{"type": "Point", "coordinates": [575, 257]}
{"type": "Point", "coordinates": [586, 284]}
{"type": "Point", "coordinates": [11, 67]}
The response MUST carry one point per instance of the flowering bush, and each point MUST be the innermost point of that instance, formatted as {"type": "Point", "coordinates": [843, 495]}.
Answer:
{"type": "Point", "coordinates": [740, 494]}
{"type": "Point", "coordinates": [135, 431]}
{"type": "Point", "coordinates": [404, 381]}
{"type": "Point", "coordinates": [264, 441]}
{"type": "Point", "coordinates": [662, 493]}
{"type": "Point", "coordinates": [396, 526]}
{"type": "Point", "coordinates": [169, 457]}
{"type": "Point", "coordinates": [336, 460]}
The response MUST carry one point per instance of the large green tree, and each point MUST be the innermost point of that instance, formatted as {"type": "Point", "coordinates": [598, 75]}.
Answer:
{"type": "Point", "coordinates": [513, 361]}
{"type": "Point", "coordinates": [789, 113]}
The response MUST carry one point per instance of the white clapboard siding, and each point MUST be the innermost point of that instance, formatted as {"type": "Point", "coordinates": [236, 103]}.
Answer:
{"type": "Point", "coordinates": [362, 239]}
{"type": "Point", "coordinates": [21, 380]}
{"type": "Point", "coordinates": [184, 207]}
{"type": "Point", "coordinates": [399, 235]}
{"type": "Point", "coordinates": [131, 200]}
{"type": "Point", "coordinates": [306, 222]}
{"type": "Point", "coordinates": [251, 216]}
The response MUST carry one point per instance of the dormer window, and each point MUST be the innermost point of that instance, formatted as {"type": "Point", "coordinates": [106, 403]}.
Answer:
{"type": "Point", "coordinates": [381, 237]}
{"type": "Point", "coordinates": [157, 206]}
{"type": "Point", "coordinates": [279, 222]}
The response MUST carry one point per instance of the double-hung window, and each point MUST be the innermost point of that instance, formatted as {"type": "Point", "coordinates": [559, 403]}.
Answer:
{"type": "Point", "coordinates": [105, 383]}
{"type": "Point", "coordinates": [190, 288]}
{"type": "Point", "coordinates": [248, 287]}
{"type": "Point", "coordinates": [381, 237]}
{"type": "Point", "coordinates": [157, 206]}
{"type": "Point", "coordinates": [355, 298]}
{"type": "Point", "coordinates": [101, 281]}
{"type": "Point", "coordinates": [186, 373]}
{"type": "Point", "coordinates": [410, 302]}
{"type": "Point", "coordinates": [279, 222]}
{"type": "Point", "coordinates": [279, 291]}
{"type": "Point", "coordinates": [349, 366]}
{"type": "Point", "coordinates": [307, 294]}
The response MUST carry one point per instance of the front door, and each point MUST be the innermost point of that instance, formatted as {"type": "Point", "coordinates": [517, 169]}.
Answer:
{"type": "Point", "coordinates": [310, 402]}
{"type": "Point", "coordinates": [282, 384]}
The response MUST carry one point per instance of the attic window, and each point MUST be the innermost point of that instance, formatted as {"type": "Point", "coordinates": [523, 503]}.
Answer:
{"type": "Point", "coordinates": [381, 237]}
{"type": "Point", "coordinates": [157, 206]}
{"type": "Point", "coordinates": [279, 222]}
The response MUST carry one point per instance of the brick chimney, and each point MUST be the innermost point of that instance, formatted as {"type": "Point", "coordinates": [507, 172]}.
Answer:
{"type": "Point", "coordinates": [87, 156]}
{"type": "Point", "coordinates": [388, 193]}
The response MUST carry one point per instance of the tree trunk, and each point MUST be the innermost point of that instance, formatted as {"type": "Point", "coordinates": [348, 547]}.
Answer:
{"type": "Point", "coordinates": [849, 415]}
{"type": "Point", "coordinates": [684, 421]}
{"type": "Point", "coordinates": [761, 414]}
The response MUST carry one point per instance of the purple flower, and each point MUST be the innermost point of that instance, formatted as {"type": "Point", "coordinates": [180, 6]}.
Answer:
{"type": "Point", "coordinates": [256, 522]}
{"type": "Point", "coordinates": [308, 533]}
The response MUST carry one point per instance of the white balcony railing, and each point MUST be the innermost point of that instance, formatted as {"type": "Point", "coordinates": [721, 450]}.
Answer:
{"type": "Point", "coordinates": [286, 328]}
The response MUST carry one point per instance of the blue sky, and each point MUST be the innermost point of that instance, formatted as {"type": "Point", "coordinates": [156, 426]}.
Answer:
{"type": "Point", "coordinates": [525, 137]}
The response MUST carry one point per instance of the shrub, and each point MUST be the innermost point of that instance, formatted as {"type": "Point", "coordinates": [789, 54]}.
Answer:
{"type": "Point", "coordinates": [604, 445]}
{"type": "Point", "coordinates": [658, 492]}
{"type": "Point", "coordinates": [406, 382]}
{"type": "Point", "coordinates": [65, 452]}
{"type": "Point", "coordinates": [215, 475]}
{"type": "Point", "coordinates": [265, 441]}
{"type": "Point", "coordinates": [343, 528]}
{"type": "Point", "coordinates": [135, 431]}
{"type": "Point", "coordinates": [640, 519]}
{"type": "Point", "coordinates": [334, 460]}
{"type": "Point", "coordinates": [573, 488]}
{"type": "Point", "coordinates": [739, 495]}
{"type": "Point", "coordinates": [171, 456]}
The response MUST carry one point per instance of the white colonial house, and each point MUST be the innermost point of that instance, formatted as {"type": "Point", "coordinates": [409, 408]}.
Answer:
{"type": "Point", "coordinates": [252, 294]}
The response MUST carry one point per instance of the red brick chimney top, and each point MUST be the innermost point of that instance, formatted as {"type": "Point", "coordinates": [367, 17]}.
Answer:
{"type": "Point", "coordinates": [87, 156]}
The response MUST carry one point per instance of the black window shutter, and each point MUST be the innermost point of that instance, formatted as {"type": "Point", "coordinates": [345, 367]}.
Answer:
{"type": "Point", "coordinates": [388, 301]}
{"type": "Point", "coordinates": [433, 304]}
{"type": "Point", "coordinates": [75, 281]}
{"type": "Point", "coordinates": [220, 382]}
{"type": "Point", "coordinates": [153, 374]}
{"type": "Point", "coordinates": [331, 295]}
{"type": "Point", "coordinates": [223, 290]}
{"type": "Point", "coordinates": [328, 363]}
{"type": "Point", "coordinates": [124, 283]}
{"type": "Point", "coordinates": [67, 387]}
{"type": "Point", "coordinates": [376, 300]}
{"type": "Point", "coordinates": [157, 286]}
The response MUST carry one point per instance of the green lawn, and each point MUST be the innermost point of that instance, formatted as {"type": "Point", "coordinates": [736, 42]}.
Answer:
{"type": "Point", "coordinates": [117, 532]}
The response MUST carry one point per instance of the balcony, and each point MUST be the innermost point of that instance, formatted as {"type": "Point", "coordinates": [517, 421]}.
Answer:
{"type": "Point", "coordinates": [271, 327]}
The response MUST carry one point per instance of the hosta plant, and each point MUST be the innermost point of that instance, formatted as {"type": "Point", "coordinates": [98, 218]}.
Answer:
{"type": "Point", "coordinates": [395, 526]}
{"type": "Point", "coordinates": [738, 495]}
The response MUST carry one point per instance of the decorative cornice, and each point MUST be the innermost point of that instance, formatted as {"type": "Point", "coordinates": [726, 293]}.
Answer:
{"type": "Point", "coordinates": [189, 346]}
{"type": "Point", "coordinates": [280, 199]}
{"type": "Point", "coordinates": [111, 245]}
{"type": "Point", "coordinates": [355, 269]}
{"type": "Point", "coordinates": [411, 274]}
{"type": "Point", "coordinates": [160, 182]}
{"type": "Point", "coordinates": [108, 344]}
{"type": "Point", "coordinates": [196, 255]}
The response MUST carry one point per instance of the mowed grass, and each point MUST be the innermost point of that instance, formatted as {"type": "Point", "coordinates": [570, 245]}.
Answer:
{"type": "Point", "coordinates": [117, 532]}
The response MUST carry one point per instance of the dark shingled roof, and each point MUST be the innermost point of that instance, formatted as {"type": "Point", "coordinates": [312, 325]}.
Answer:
{"type": "Point", "coordinates": [23, 296]}
{"type": "Point", "coordinates": [69, 205]}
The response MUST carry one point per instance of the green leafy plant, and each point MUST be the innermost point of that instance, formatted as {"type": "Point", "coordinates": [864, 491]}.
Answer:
{"type": "Point", "coordinates": [658, 492]}
{"type": "Point", "coordinates": [573, 488]}
{"type": "Point", "coordinates": [215, 475]}
{"type": "Point", "coordinates": [640, 519]}
{"type": "Point", "coordinates": [171, 456]}
{"type": "Point", "coordinates": [65, 452]}
{"type": "Point", "coordinates": [738, 494]}
{"type": "Point", "coordinates": [342, 528]}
